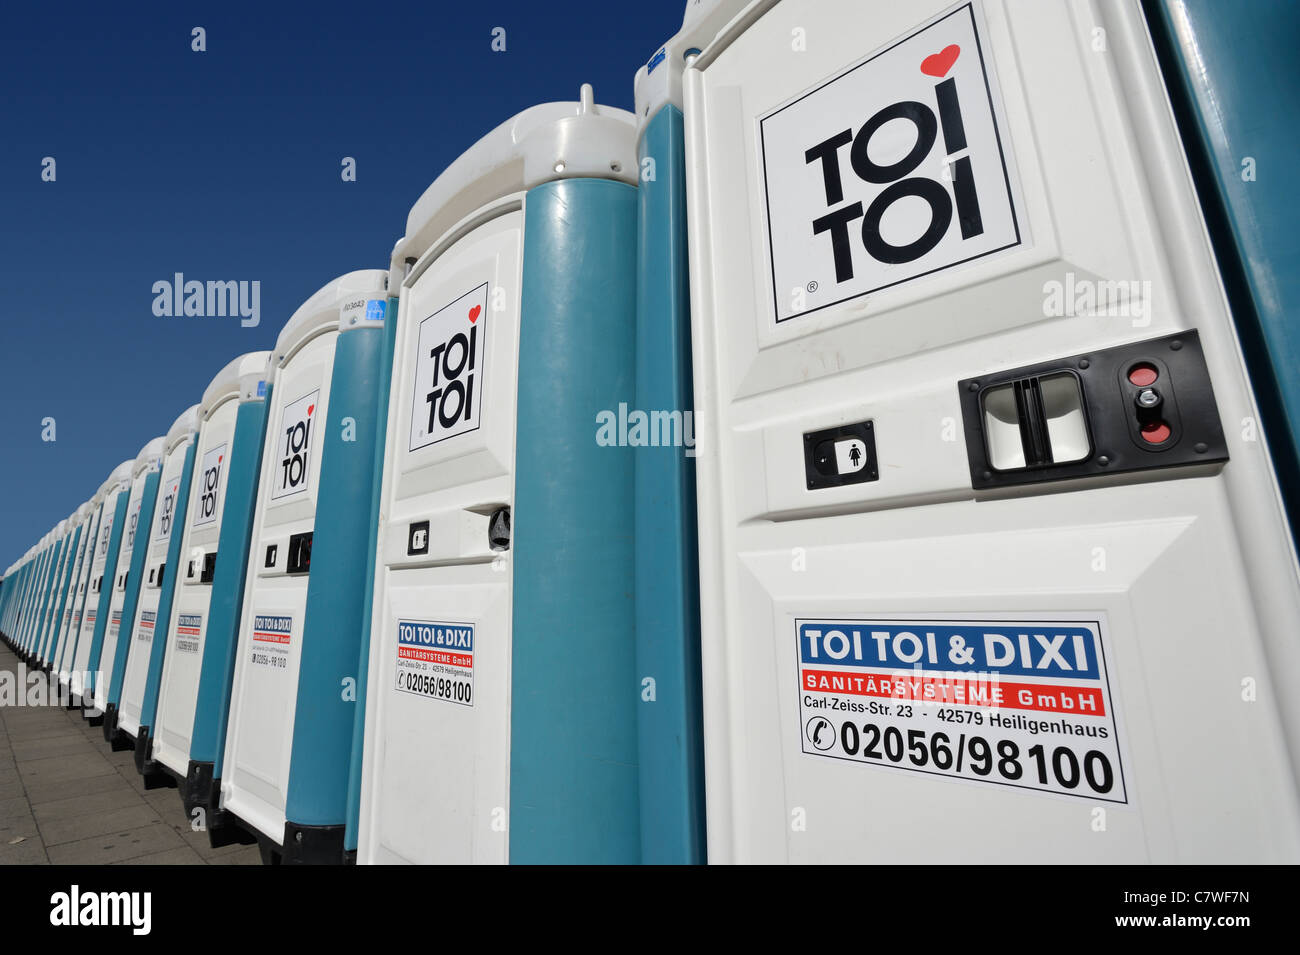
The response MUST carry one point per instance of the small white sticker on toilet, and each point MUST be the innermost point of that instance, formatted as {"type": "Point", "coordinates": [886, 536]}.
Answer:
{"type": "Point", "coordinates": [1023, 704]}
{"type": "Point", "coordinates": [436, 660]}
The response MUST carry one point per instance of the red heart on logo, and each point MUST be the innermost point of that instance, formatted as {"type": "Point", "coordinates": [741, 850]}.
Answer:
{"type": "Point", "coordinates": [938, 64]}
{"type": "Point", "coordinates": [474, 313]}
{"type": "Point", "coordinates": [310, 409]}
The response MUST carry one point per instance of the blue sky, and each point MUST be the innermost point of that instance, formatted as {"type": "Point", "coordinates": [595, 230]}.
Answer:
{"type": "Point", "coordinates": [225, 165]}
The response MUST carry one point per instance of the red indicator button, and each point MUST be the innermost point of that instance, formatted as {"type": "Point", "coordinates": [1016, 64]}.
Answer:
{"type": "Point", "coordinates": [1143, 375]}
{"type": "Point", "coordinates": [1157, 432]}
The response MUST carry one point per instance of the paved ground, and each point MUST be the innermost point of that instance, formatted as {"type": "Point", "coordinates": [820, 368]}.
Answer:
{"type": "Point", "coordinates": [66, 798]}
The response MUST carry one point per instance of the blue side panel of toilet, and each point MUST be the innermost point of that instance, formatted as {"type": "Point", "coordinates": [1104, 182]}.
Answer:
{"type": "Point", "coordinates": [7, 587]}
{"type": "Point", "coordinates": [6, 597]}
{"type": "Point", "coordinates": [10, 589]}
{"type": "Point", "coordinates": [336, 589]}
{"type": "Point", "coordinates": [139, 554]}
{"type": "Point", "coordinates": [51, 596]}
{"type": "Point", "coordinates": [171, 581]}
{"type": "Point", "coordinates": [217, 673]}
{"type": "Point", "coordinates": [38, 595]}
{"type": "Point", "coordinates": [669, 722]}
{"type": "Point", "coordinates": [47, 585]}
{"type": "Point", "coordinates": [30, 601]}
{"type": "Point", "coordinates": [76, 599]}
{"type": "Point", "coordinates": [19, 599]}
{"type": "Point", "coordinates": [47, 594]}
{"type": "Point", "coordinates": [33, 603]}
{"type": "Point", "coordinates": [55, 589]}
{"type": "Point", "coordinates": [65, 596]}
{"type": "Point", "coordinates": [23, 609]}
{"type": "Point", "coordinates": [61, 599]}
{"type": "Point", "coordinates": [13, 602]}
{"type": "Point", "coordinates": [363, 653]}
{"type": "Point", "coordinates": [30, 597]}
{"type": "Point", "coordinates": [105, 593]}
{"type": "Point", "coordinates": [33, 608]}
{"type": "Point", "coordinates": [1230, 71]}
{"type": "Point", "coordinates": [573, 732]}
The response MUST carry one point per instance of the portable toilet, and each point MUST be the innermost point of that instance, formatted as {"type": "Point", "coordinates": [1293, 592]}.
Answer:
{"type": "Point", "coordinates": [35, 578]}
{"type": "Point", "coordinates": [25, 609]}
{"type": "Point", "coordinates": [46, 548]}
{"type": "Point", "coordinates": [15, 588]}
{"type": "Point", "coordinates": [57, 581]}
{"type": "Point", "coordinates": [59, 591]}
{"type": "Point", "coordinates": [144, 653]}
{"type": "Point", "coordinates": [12, 586]}
{"type": "Point", "coordinates": [8, 585]}
{"type": "Point", "coordinates": [82, 519]}
{"type": "Point", "coordinates": [501, 722]}
{"type": "Point", "coordinates": [23, 601]}
{"type": "Point", "coordinates": [291, 713]}
{"type": "Point", "coordinates": [126, 585]}
{"type": "Point", "coordinates": [987, 535]}
{"type": "Point", "coordinates": [53, 563]}
{"type": "Point", "coordinates": [53, 554]}
{"type": "Point", "coordinates": [195, 697]}
{"type": "Point", "coordinates": [103, 566]}
{"type": "Point", "coordinates": [63, 585]}
{"type": "Point", "coordinates": [75, 609]}
{"type": "Point", "coordinates": [49, 550]}
{"type": "Point", "coordinates": [72, 608]}
{"type": "Point", "coordinates": [224, 457]}
{"type": "Point", "coordinates": [76, 593]}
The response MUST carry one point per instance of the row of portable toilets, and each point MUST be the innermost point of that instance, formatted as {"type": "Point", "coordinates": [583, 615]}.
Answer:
{"type": "Point", "coordinates": [921, 523]}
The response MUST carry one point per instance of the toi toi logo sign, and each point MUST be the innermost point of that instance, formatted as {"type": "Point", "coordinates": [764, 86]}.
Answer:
{"type": "Point", "coordinates": [294, 470]}
{"type": "Point", "coordinates": [893, 170]}
{"type": "Point", "coordinates": [133, 518]}
{"type": "Point", "coordinates": [106, 534]}
{"type": "Point", "coordinates": [205, 508]}
{"type": "Point", "coordinates": [167, 509]}
{"type": "Point", "coordinates": [450, 354]}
